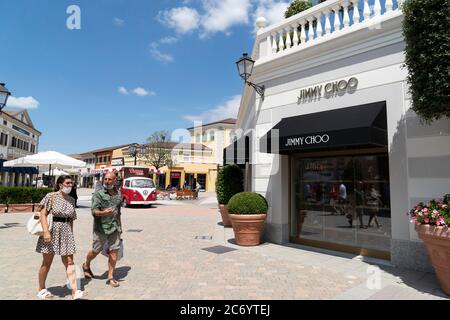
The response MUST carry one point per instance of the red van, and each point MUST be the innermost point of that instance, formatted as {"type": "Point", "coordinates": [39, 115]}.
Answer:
{"type": "Point", "coordinates": [136, 186]}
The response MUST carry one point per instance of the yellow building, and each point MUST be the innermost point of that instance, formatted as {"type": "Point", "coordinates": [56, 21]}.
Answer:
{"type": "Point", "coordinates": [193, 162]}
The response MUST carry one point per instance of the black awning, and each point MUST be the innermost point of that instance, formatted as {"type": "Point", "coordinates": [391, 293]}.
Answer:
{"type": "Point", "coordinates": [357, 126]}
{"type": "Point", "coordinates": [238, 152]}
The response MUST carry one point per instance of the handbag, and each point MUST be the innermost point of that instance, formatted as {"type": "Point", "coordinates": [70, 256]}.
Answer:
{"type": "Point", "coordinates": [34, 225]}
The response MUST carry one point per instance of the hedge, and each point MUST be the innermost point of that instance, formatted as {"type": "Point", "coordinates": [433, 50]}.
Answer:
{"type": "Point", "coordinates": [247, 203]}
{"type": "Point", "coordinates": [426, 28]}
{"type": "Point", "coordinates": [230, 181]}
{"type": "Point", "coordinates": [21, 195]}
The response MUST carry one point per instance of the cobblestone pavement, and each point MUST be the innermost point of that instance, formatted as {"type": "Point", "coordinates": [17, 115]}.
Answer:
{"type": "Point", "coordinates": [180, 251]}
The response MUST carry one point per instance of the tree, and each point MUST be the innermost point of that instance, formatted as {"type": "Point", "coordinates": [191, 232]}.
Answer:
{"type": "Point", "coordinates": [158, 150]}
{"type": "Point", "coordinates": [426, 27]}
{"type": "Point", "coordinates": [297, 6]}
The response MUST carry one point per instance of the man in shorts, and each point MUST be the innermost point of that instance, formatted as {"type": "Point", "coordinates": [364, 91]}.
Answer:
{"type": "Point", "coordinates": [107, 227]}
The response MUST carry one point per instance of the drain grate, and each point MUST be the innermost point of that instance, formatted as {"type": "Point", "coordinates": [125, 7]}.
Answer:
{"type": "Point", "coordinates": [219, 249]}
{"type": "Point", "coordinates": [134, 230]}
{"type": "Point", "coordinates": [203, 237]}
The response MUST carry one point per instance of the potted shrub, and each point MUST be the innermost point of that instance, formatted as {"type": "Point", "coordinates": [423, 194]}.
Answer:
{"type": "Point", "coordinates": [230, 181]}
{"type": "Point", "coordinates": [248, 212]}
{"type": "Point", "coordinates": [432, 223]}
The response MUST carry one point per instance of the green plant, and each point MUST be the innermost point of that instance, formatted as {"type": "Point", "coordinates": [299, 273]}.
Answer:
{"type": "Point", "coordinates": [426, 27]}
{"type": "Point", "coordinates": [297, 6]}
{"type": "Point", "coordinates": [230, 181]}
{"type": "Point", "coordinates": [20, 195]}
{"type": "Point", "coordinates": [434, 212]}
{"type": "Point", "coordinates": [248, 203]}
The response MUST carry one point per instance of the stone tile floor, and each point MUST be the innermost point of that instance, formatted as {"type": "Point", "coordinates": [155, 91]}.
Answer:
{"type": "Point", "coordinates": [174, 257]}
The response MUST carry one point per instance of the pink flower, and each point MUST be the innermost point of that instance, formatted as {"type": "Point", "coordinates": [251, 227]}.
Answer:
{"type": "Point", "coordinates": [426, 220]}
{"type": "Point", "coordinates": [413, 219]}
{"type": "Point", "coordinates": [425, 210]}
{"type": "Point", "coordinates": [420, 214]}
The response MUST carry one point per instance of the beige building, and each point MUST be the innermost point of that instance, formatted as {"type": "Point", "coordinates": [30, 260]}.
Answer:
{"type": "Point", "coordinates": [18, 138]}
{"type": "Point", "coordinates": [192, 162]}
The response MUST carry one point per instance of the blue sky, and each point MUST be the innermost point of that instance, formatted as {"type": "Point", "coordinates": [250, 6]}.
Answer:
{"type": "Point", "coordinates": [134, 67]}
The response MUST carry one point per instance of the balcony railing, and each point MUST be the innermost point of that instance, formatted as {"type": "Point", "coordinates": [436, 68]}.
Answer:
{"type": "Point", "coordinates": [321, 23]}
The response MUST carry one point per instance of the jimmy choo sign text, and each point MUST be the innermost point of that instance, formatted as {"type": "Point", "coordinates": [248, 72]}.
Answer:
{"type": "Point", "coordinates": [328, 90]}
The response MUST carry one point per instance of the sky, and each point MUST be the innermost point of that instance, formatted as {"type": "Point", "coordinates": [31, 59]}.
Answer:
{"type": "Point", "coordinates": [125, 68]}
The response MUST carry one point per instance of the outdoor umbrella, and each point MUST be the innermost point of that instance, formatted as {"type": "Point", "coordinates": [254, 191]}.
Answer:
{"type": "Point", "coordinates": [57, 172]}
{"type": "Point", "coordinates": [50, 158]}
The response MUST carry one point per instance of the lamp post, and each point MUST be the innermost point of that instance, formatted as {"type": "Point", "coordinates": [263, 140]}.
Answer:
{"type": "Point", "coordinates": [133, 152]}
{"type": "Point", "coordinates": [4, 95]}
{"type": "Point", "coordinates": [245, 68]}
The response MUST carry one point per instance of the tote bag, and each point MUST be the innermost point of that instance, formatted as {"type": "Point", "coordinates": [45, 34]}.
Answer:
{"type": "Point", "coordinates": [34, 225]}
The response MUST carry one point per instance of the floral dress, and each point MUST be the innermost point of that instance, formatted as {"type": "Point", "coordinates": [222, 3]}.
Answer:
{"type": "Point", "coordinates": [63, 241]}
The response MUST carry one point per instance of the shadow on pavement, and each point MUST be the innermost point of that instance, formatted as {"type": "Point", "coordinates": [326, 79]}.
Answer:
{"type": "Point", "coordinates": [119, 274]}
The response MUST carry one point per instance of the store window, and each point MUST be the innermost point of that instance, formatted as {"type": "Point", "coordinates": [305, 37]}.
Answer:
{"type": "Point", "coordinates": [198, 138]}
{"type": "Point", "coordinates": [342, 201]}
{"type": "Point", "coordinates": [211, 135]}
{"type": "Point", "coordinates": [205, 136]}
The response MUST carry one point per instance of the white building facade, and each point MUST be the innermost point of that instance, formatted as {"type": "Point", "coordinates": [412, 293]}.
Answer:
{"type": "Point", "coordinates": [346, 158]}
{"type": "Point", "coordinates": [18, 138]}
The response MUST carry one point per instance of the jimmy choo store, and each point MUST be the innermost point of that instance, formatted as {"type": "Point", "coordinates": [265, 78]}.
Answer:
{"type": "Point", "coordinates": [335, 148]}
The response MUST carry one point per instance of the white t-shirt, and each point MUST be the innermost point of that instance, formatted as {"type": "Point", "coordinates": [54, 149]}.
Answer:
{"type": "Point", "coordinates": [342, 192]}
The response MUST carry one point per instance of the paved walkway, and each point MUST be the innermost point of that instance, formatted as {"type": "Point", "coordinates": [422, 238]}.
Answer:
{"type": "Point", "coordinates": [180, 251]}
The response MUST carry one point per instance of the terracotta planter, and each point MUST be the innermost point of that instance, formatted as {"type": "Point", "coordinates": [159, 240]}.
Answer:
{"type": "Point", "coordinates": [3, 208]}
{"type": "Point", "coordinates": [20, 208]}
{"type": "Point", "coordinates": [224, 213]}
{"type": "Point", "coordinates": [437, 241]}
{"type": "Point", "coordinates": [248, 228]}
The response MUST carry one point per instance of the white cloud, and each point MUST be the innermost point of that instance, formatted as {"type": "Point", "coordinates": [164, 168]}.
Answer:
{"type": "Point", "coordinates": [141, 92]}
{"type": "Point", "coordinates": [229, 109]}
{"type": "Point", "coordinates": [122, 90]}
{"type": "Point", "coordinates": [272, 10]}
{"type": "Point", "coordinates": [160, 56]}
{"type": "Point", "coordinates": [23, 102]}
{"type": "Point", "coordinates": [168, 40]}
{"type": "Point", "coordinates": [182, 20]}
{"type": "Point", "coordinates": [119, 22]}
{"type": "Point", "coordinates": [221, 15]}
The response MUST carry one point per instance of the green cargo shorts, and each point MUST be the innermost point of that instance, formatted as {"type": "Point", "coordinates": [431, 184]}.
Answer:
{"type": "Point", "coordinates": [99, 240]}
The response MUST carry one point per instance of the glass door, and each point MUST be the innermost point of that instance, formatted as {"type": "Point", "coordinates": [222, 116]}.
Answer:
{"type": "Point", "coordinates": [343, 201]}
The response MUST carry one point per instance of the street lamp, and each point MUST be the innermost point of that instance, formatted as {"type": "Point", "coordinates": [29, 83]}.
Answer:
{"type": "Point", "coordinates": [245, 68]}
{"type": "Point", "coordinates": [133, 152]}
{"type": "Point", "coordinates": [4, 94]}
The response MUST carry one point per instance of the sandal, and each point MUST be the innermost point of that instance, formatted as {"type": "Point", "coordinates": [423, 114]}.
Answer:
{"type": "Point", "coordinates": [113, 283]}
{"type": "Point", "coordinates": [88, 272]}
{"type": "Point", "coordinates": [44, 294]}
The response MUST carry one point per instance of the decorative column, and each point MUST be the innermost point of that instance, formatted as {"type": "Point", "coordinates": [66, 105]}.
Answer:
{"type": "Point", "coordinates": [303, 31]}
{"type": "Point", "coordinates": [295, 40]}
{"type": "Point", "coordinates": [319, 28]}
{"type": "Point", "coordinates": [356, 15]}
{"type": "Point", "coordinates": [346, 17]}
{"type": "Point", "coordinates": [310, 28]}
{"type": "Point", "coordinates": [337, 22]}
{"type": "Point", "coordinates": [327, 22]}
{"type": "Point", "coordinates": [366, 11]}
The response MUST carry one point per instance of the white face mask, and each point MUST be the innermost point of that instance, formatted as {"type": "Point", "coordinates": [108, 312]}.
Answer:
{"type": "Point", "coordinates": [110, 187]}
{"type": "Point", "coordinates": [66, 190]}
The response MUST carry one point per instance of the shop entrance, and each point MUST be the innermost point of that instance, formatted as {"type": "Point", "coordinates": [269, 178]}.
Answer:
{"type": "Point", "coordinates": [201, 178]}
{"type": "Point", "coordinates": [342, 202]}
{"type": "Point", "coordinates": [175, 178]}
